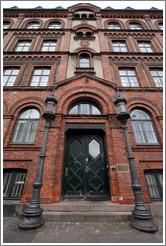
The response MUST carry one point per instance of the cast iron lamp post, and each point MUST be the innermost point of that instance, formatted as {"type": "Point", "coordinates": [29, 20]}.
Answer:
{"type": "Point", "coordinates": [32, 214]}
{"type": "Point", "coordinates": [142, 218]}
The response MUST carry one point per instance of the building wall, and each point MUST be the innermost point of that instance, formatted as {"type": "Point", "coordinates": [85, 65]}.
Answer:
{"type": "Point", "coordinates": [98, 84]}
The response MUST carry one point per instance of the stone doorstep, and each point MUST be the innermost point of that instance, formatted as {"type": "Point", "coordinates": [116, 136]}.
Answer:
{"type": "Point", "coordinates": [87, 207]}
{"type": "Point", "coordinates": [14, 208]}
{"type": "Point", "coordinates": [87, 216]}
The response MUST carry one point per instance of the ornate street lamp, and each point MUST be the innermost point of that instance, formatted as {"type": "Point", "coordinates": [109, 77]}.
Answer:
{"type": "Point", "coordinates": [142, 218]}
{"type": "Point", "coordinates": [32, 214]}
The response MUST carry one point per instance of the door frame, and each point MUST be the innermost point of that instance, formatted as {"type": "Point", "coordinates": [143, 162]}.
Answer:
{"type": "Point", "coordinates": [96, 129]}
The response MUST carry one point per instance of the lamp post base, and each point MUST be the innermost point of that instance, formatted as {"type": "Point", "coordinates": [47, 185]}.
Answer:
{"type": "Point", "coordinates": [143, 222]}
{"type": "Point", "coordinates": [32, 217]}
{"type": "Point", "coordinates": [29, 222]}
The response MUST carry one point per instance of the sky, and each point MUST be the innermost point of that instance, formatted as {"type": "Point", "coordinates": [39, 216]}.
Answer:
{"type": "Point", "coordinates": [102, 4]}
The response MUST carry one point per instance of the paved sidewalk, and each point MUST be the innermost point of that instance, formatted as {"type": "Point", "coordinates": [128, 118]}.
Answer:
{"type": "Point", "coordinates": [79, 232]}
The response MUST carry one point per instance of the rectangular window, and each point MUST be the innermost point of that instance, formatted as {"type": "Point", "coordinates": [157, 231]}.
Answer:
{"type": "Point", "coordinates": [154, 181]}
{"type": "Point", "coordinates": [9, 76]}
{"type": "Point", "coordinates": [146, 47]}
{"type": "Point", "coordinates": [157, 76]}
{"type": "Point", "coordinates": [13, 184]}
{"type": "Point", "coordinates": [22, 46]}
{"type": "Point", "coordinates": [40, 77]}
{"type": "Point", "coordinates": [49, 46]}
{"type": "Point", "coordinates": [119, 46]}
{"type": "Point", "coordinates": [128, 78]}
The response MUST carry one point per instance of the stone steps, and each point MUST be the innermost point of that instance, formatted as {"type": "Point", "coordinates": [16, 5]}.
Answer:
{"type": "Point", "coordinates": [87, 207]}
{"type": "Point", "coordinates": [77, 211]}
{"type": "Point", "coordinates": [86, 216]}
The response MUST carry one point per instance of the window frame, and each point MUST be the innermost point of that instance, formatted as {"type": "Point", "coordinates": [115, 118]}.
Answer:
{"type": "Point", "coordinates": [119, 46]}
{"type": "Point", "coordinates": [159, 77]}
{"type": "Point", "coordinates": [155, 173]}
{"type": "Point", "coordinates": [11, 68]}
{"type": "Point", "coordinates": [128, 76]}
{"type": "Point", "coordinates": [40, 75]}
{"type": "Point", "coordinates": [30, 24]}
{"type": "Point", "coordinates": [114, 24]}
{"type": "Point", "coordinates": [143, 130]}
{"type": "Point", "coordinates": [144, 43]}
{"type": "Point", "coordinates": [49, 46]}
{"type": "Point", "coordinates": [91, 105]}
{"type": "Point", "coordinates": [14, 183]}
{"type": "Point", "coordinates": [52, 23]}
{"type": "Point", "coordinates": [26, 131]}
{"type": "Point", "coordinates": [159, 25]}
{"type": "Point", "coordinates": [83, 56]}
{"type": "Point", "coordinates": [137, 25]}
{"type": "Point", "coordinates": [24, 42]}
{"type": "Point", "coordinates": [9, 23]}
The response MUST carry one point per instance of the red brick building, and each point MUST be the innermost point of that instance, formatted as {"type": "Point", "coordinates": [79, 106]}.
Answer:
{"type": "Point", "coordinates": [87, 54]}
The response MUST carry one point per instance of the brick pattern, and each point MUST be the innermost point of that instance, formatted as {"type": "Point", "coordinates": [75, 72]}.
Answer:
{"type": "Point", "coordinates": [82, 87]}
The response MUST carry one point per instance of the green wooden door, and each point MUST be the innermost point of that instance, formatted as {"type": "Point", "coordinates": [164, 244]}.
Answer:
{"type": "Point", "coordinates": [85, 169]}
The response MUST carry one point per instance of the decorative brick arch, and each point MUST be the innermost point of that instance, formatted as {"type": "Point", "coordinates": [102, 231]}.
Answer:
{"type": "Point", "coordinates": [25, 23]}
{"type": "Point", "coordinates": [84, 26]}
{"type": "Point", "coordinates": [99, 97]}
{"type": "Point", "coordinates": [27, 102]}
{"type": "Point", "coordinates": [157, 22]}
{"type": "Point", "coordinates": [143, 24]}
{"type": "Point", "coordinates": [9, 20]}
{"type": "Point", "coordinates": [146, 104]}
{"type": "Point", "coordinates": [54, 20]}
{"type": "Point", "coordinates": [122, 26]}
{"type": "Point", "coordinates": [87, 49]}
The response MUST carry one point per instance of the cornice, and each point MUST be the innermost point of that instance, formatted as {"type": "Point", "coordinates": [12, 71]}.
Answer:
{"type": "Point", "coordinates": [127, 33]}
{"type": "Point", "coordinates": [157, 57]}
{"type": "Point", "coordinates": [42, 32]}
{"type": "Point", "coordinates": [112, 56]}
{"type": "Point", "coordinates": [38, 55]}
{"type": "Point", "coordinates": [67, 81]}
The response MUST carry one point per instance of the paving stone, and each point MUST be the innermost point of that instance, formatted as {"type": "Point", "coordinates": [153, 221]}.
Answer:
{"type": "Point", "coordinates": [80, 232]}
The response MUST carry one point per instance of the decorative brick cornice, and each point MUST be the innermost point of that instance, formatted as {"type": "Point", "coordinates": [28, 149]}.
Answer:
{"type": "Point", "coordinates": [133, 34]}
{"type": "Point", "coordinates": [23, 33]}
{"type": "Point", "coordinates": [32, 57]}
{"type": "Point", "coordinates": [136, 57]}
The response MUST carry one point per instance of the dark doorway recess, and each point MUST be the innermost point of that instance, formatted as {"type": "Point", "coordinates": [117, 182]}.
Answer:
{"type": "Point", "coordinates": [85, 173]}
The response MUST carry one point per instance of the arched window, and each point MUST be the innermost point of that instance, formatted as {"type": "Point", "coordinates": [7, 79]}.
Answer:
{"type": "Point", "coordinates": [80, 34]}
{"type": "Point", "coordinates": [85, 107]}
{"type": "Point", "coordinates": [135, 26]}
{"type": "Point", "coordinates": [13, 183]}
{"type": "Point", "coordinates": [91, 16]}
{"type": "Point", "coordinates": [84, 60]}
{"type": "Point", "coordinates": [6, 24]}
{"type": "Point", "coordinates": [143, 128]}
{"type": "Point", "coordinates": [77, 16]}
{"type": "Point", "coordinates": [54, 25]}
{"type": "Point", "coordinates": [160, 25]}
{"type": "Point", "coordinates": [33, 25]}
{"type": "Point", "coordinates": [26, 127]}
{"type": "Point", "coordinates": [84, 16]}
{"type": "Point", "coordinates": [113, 25]}
{"type": "Point", "coordinates": [88, 34]}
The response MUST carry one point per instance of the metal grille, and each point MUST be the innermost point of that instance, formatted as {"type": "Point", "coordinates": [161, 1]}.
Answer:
{"type": "Point", "coordinates": [18, 185]}
{"type": "Point", "coordinates": [6, 184]}
{"type": "Point", "coordinates": [154, 180]}
{"type": "Point", "coordinates": [13, 183]}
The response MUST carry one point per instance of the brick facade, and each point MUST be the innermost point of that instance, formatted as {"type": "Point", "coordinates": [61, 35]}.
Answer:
{"type": "Point", "coordinates": [84, 84]}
